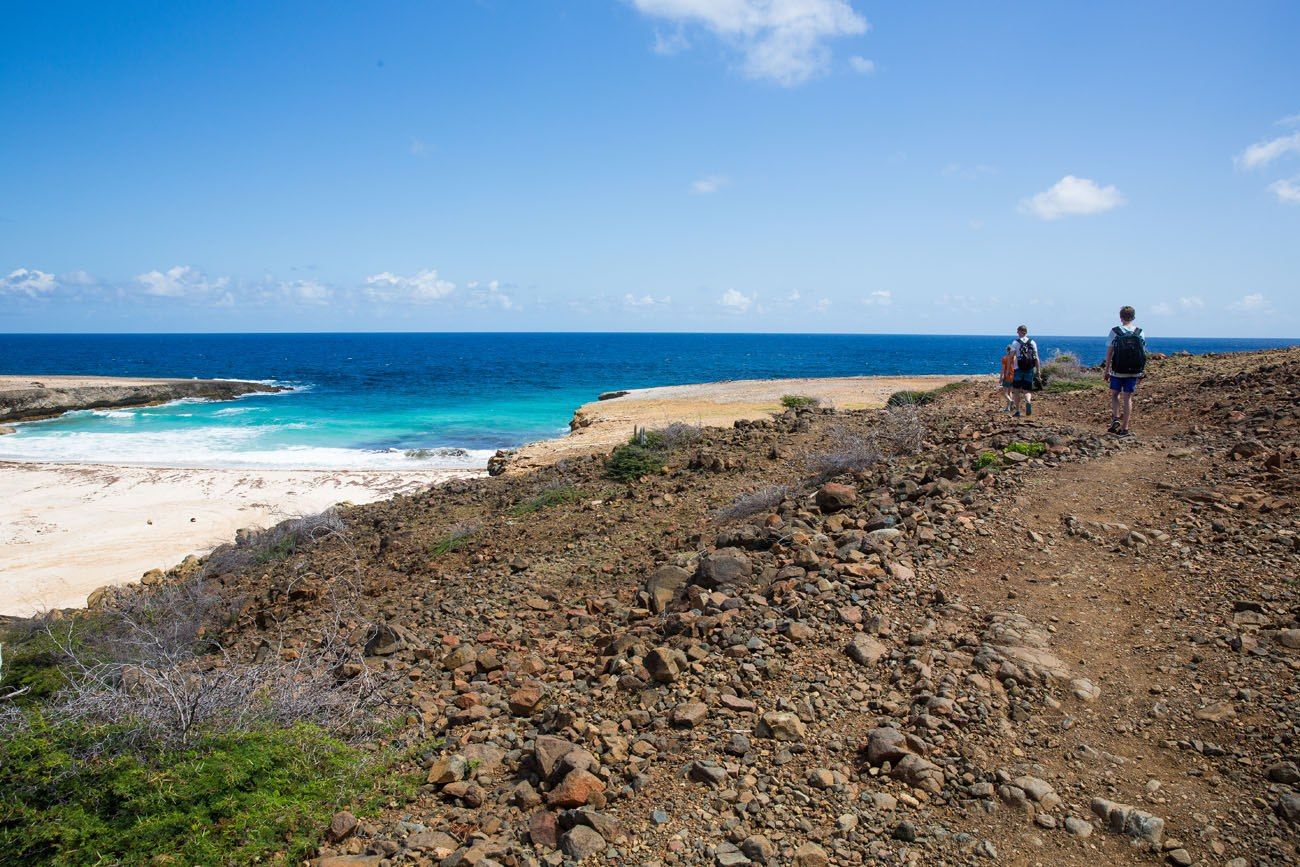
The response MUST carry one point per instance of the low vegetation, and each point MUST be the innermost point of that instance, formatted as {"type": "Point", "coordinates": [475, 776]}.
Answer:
{"type": "Point", "coordinates": [1063, 373]}
{"type": "Point", "coordinates": [453, 540]}
{"type": "Point", "coordinates": [553, 495]}
{"type": "Point", "coordinates": [765, 499]}
{"type": "Point", "coordinates": [127, 731]}
{"type": "Point", "coordinates": [986, 459]}
{"type": "Point", "coordinates": [646, 453]}
{"type": "Point", "coordinates": [921, 398]}
{"type": "Point", "coordinates": [1032, 450]}
{"type": "Point", "coordinates": [800, 401]}
{"type": "Point", "coordinates": [260, 547]}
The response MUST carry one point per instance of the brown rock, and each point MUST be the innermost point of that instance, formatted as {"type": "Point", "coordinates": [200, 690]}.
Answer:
{"type": "Point", "coordinates": [834, 497]}
{"type": "Point", "coordinates": [575, 790]}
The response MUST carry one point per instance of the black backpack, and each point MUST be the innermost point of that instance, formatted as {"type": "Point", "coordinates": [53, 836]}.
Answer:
{"type": "Point", "coordinates": [1026, 354]}
{"type": "Point", "coordinates": [1130, 354]}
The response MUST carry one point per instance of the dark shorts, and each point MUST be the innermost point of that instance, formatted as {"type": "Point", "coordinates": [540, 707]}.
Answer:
{"type": "Point", "coordinates": [1023, 380]}
{"type": "Point", "coordinates": [1124, 383]}
{"type": "Point", "coordinates": [1006, 383]}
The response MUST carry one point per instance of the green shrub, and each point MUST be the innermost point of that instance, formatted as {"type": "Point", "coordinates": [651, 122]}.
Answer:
{"type": "Point", "coordinates": [986, 459]}
{"type": "Point", "coordinates": [555, 495]}
{"type": "Point", "coordinates": [631, 461]}
{"type": "Point", "coordinates": [799, 401]}
{"type": "Point", "coordinates": [250, 797]}
{"type": "Point", "coordinates": [1032, 450]}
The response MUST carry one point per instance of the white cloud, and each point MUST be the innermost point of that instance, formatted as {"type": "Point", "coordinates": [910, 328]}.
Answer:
{"type": "Point", "coordinates": [1289, 120]}
{"type": "Point", "coordinates": [308, 291]}
{"type": "Point", "coordinates": [671, 44]}
{"type": "Point", "coordinates": [1190, 303]}
{"type": "Point", "coordinates": [490, 294]}
{"type": "Point", "coordinates": [1255, 302]}
{"type": "Point", "coordinates": [822, 305]}
{"type": "Point", "coordinates": [780, 40]}
{"type": "Point", "coordinates": [1262, 153]}
{"type": "Point", "coordinates": [879, 298]}
{"type": "Point", "coordinates": [794, 296]}
{"type": "Point", "coordinates": [181, 281]}
{"type": "Point", "coordinates": [424, 285]}
{"type": "Point", "coordinates": [862, 65]}
{"type": "Point", "coordinates": [29, 282]}
{"type": "Point", "coordinates": [645, 301]}
{"type": "Point", "coordinates": [708, 185]}
{"type": "Point", "coordinates": [1072, 196]}
{"type": "Point", "coordinates": [1287, 190]}
{"type": "Point", "coordinates": [1161, 309]}
{"type": "Point", "coordinates": [419, 147]}
{"type": "Point", "coordinates": [735, 300]}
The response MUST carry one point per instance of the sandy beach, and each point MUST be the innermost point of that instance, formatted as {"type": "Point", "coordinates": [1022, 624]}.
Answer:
{"type": "Point", "coordinates": [603, 424]}
{"type": "Point", "coordinates": [67, 529]}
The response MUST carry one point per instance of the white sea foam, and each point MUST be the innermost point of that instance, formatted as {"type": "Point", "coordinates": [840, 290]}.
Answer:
{"type": "Point", "coordinates": [217, 447]}
{"type": "Point", "coordinates": [237, 410]}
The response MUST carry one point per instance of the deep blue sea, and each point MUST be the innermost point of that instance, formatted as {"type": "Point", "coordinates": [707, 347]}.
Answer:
{"type": "Point", "coordinates": [366, 400]}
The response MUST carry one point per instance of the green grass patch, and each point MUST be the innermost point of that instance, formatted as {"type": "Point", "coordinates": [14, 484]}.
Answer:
{"type": "Point", "coordinates": [240, 798]}
{"type": "Point", "coordinates": [1032, 450]}
{"type": "Point", "coordinates": [1066, 386]}
{"type": "Point", "coordinates": [985, 459]}
{"type": "Point", "coordinates": [799, 401]}
{"type": "Point", "coordinates": [554, 496]}
{"type": "Point", "coordinates": [31, 662]}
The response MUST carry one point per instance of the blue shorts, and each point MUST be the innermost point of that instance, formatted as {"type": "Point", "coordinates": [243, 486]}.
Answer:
{"type": "Point", "coordinates": [1023, 380]}
{"type": "Point", "coordinates": [1124, 383]}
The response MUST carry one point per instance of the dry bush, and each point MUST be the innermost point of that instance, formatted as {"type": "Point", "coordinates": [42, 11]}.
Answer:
{"type": "Point", "coordinates": [148, 665]}
{"type": "Point", "coordinates": [273, 543]}
{"type": "Point", "coordinates": [762, 500]}
{"type": "Point", "coordinates": [845, 452]}
{"type": "Point", "coordinates": [678, 435]}
{"type": "Point", "coordinates": [902, 430]}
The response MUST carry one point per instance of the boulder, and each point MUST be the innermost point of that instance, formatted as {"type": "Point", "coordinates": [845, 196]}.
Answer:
{"type": "Point", "coordinates": [663, 584]}
{"type": "Point", "coordinates": [724, 566]}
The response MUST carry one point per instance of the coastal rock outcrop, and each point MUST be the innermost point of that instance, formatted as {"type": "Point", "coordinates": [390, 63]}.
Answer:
{"type": "Point", "coordinates": [27, 398]}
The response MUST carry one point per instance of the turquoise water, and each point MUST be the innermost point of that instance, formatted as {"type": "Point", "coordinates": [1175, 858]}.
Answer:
{"type": "Point", "coordinates": [425, 401]}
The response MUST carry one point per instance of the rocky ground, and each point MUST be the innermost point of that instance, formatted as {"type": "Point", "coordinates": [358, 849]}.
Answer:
{"type": "Point", "coordinates": [962, 654]}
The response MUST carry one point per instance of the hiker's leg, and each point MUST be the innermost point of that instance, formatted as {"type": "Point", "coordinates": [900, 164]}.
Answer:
{"type": "Point", "coordinates": [1127, 410]}
{"type": "Point", "coordinates": [1114, 404]}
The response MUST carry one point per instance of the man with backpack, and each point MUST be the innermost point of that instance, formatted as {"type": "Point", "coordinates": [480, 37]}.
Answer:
{"type": "Point", "coordinates": [1022, 381]}
{"type": "Point", "coordinates": [1126, 362]}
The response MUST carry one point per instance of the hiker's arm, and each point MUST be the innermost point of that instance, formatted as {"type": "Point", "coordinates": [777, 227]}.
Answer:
{"type": "Point", "coordinates": [1110, 350]}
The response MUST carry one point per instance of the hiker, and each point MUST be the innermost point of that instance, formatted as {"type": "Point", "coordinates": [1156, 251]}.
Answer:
{"type": "Point", "coordinates": [1022, 381]}
{"type": "Point", "coordinates": [1008, 375]}
{"type": "Point", "coordinates": [1126, 362]}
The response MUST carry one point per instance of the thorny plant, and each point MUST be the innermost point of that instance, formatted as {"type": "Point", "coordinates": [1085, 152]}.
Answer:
{"type": "Point", "coordinates": [149, 667]}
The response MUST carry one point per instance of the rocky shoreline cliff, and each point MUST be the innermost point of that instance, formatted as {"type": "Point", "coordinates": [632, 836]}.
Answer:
{"type": "Point", "coordinates": [37, 397]}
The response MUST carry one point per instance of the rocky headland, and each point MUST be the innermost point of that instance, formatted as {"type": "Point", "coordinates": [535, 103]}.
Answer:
{"type": "Point", "coordinates": [928, 634]}
{"type": "Point", "coordinates": [28, 398]}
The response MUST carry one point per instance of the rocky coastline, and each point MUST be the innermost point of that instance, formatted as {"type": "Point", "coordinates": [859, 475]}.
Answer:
{"type": "Point", "coordinates": [30, 398]}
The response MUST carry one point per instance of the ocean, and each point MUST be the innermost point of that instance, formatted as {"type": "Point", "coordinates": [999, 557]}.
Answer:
{"type": "Point", "coordinates": [428, 401]}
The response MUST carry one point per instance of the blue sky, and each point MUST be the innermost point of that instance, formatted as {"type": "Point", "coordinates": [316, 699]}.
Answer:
{"type": "Point", "coordinates": [647, 165]}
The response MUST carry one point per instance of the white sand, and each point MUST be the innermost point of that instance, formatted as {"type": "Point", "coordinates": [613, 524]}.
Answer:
{"type": "Point", "coordinates": [67, 529]}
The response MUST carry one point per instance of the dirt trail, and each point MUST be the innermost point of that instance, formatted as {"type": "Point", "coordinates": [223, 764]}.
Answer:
{"type": "Point", "coordinates": [1114, 613]}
